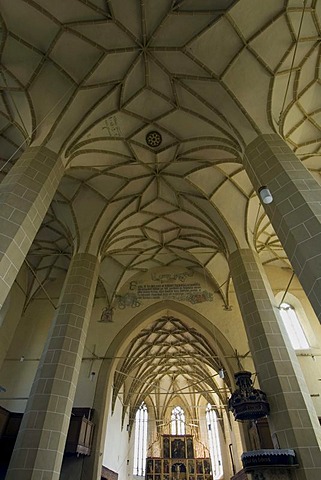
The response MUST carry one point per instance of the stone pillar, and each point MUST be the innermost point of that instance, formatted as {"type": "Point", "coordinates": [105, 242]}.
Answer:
{"type": "Point", "coordinates": [295, 212]}
{"type": "Point", "coordinates": [25, 195]}
{"type": "Point", "coordinates": [41, 440]}
{"type": "Point", "coordinates": [293, 420]}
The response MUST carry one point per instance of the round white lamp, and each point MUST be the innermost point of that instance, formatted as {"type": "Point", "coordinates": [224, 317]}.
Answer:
{"type": "Point", "coordinates": [265, 195]}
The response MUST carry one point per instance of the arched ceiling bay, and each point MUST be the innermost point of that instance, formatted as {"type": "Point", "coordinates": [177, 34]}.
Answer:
{"type": "Point", "coordinates": [48, 258]}
{"type": "Point", "coordinates": [169, 361]}
{"type": "Point", "coordinates": [92, 78]}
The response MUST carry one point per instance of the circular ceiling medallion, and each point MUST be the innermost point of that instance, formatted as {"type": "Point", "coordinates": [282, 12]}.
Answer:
{"type": "Point", "coordinates": [153, 139]}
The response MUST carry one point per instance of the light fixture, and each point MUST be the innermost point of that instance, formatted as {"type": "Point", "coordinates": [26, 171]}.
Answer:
{"type": "Point", "coordinates": [2, 389]}
{"type": "Point", "coordinates": [221, 373]}
{"type": "Point", "coordinates": [265, 195]}
{"type": "Point", "coordinates": [92, 376]}
{"type": "Point", "coordinates": [22, 359]}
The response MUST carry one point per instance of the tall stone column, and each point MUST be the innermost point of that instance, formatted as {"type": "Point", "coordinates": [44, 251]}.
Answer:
{"type": "Point", "coordinates": [41, 440]}
{"type": "Point", "coordinates": [293, 420]}
{"type": "Point", "coordinates": [295, 212]}
{"type": "Point", "coordinates": [25, 195]}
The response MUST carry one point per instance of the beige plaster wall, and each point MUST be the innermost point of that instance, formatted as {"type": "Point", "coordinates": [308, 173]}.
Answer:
{"type": "Point", "coordinates": [101, 335]}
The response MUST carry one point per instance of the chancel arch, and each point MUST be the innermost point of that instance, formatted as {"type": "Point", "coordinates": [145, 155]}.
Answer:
{"type": "Point", "coordinates": [158, 326]}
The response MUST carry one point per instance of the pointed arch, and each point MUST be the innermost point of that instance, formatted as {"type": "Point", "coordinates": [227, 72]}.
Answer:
{"type": "Point", "coordinates": [140, 443]}
{"type": "Point", "coordinates": [214, 441]}
{"type": "Point", "coordinates": [127, 332]}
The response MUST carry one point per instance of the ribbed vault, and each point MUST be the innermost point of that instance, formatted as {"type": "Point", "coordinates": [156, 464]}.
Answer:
{"type": "Point", "coordinates": [92, 78]}
{"type": "Point", "coordinates": [169, 361]}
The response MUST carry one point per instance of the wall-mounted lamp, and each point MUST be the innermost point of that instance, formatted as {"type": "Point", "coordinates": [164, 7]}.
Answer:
{"type": "Point", "coordinates": [92, 376]}
{"type": "Point", "coordinates": [2, 389]}
{"type": "Point", "coordinates": [221, 373]}
{"type": "Point", "coordinates": [265, 195]}
{"type": "Point", "coordinates": [22, 359]}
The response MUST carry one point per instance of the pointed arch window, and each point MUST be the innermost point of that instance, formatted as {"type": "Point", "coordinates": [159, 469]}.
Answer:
{"type": "Point", "coordinates": [140, 445]}
{"type": "Point", "coordinates": [178, 421]}
{"type": "Point", "coordinates": [293, 327]}
{"type": "Point", "coordinates": [214, 441]}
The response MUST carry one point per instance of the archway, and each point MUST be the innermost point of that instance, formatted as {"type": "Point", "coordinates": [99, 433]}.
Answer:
{"type": "Point", "coordinates": [169, 312]}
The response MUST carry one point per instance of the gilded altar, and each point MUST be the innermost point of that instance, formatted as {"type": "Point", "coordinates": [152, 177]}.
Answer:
{"type": "Point", "coordinates": [178, 461]}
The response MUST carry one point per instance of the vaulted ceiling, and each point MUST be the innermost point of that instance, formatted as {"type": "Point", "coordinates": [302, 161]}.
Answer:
{"type": "Point", "coordinates": [170, 362]}
{"type": "Point", "coordinates": [151, 103]}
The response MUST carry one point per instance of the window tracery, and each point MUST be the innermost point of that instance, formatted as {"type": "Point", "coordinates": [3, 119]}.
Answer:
{"type": "Point", "coordinates": [214, 441]}
{"type": "Point", "coordinates": [140, 443]}
{"type": "Point", "coordinates": [178, 421]}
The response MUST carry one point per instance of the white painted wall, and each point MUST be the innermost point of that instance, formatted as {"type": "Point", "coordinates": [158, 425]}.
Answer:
{"type": "Point", "coordinates": [117, 448]}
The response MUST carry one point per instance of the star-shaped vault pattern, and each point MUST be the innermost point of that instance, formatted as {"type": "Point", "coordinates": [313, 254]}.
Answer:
{"type": "Point", "coordinates": [90, 79]}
